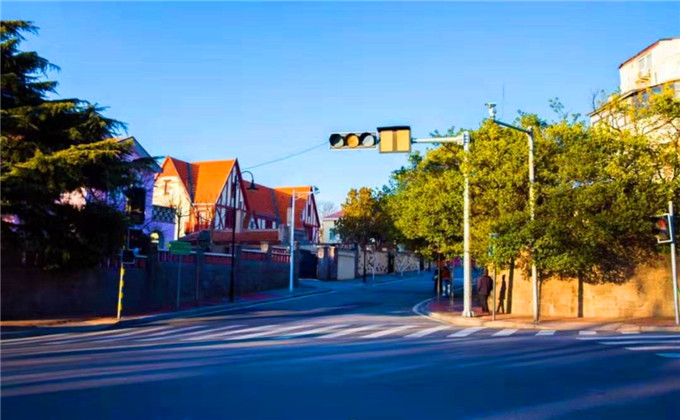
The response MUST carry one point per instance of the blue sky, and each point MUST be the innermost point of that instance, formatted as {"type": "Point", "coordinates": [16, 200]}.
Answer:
{"type": "Point", "coordinates": [258, 81]}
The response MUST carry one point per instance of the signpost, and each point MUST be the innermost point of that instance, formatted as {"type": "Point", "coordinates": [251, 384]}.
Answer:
{"type": "Point", "coordinates": [179, 248]}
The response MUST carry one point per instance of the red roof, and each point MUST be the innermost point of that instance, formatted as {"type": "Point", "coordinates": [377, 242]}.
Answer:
{"type": "Point", "coordinates": [262, 201]}
{"type": "Point", "coordinates": [203, 180]}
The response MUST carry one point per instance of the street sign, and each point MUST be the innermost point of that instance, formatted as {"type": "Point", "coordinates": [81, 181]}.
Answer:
{"type": "Point", "coordinates": [395, 139]}
{"type": "Point", "coordinates": [180, 248]}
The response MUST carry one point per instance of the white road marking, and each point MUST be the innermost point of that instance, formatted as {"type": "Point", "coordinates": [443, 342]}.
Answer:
{"type": "Point", "coordinates": [630, 332]}
{"type": "Point", "coordinates": [168, 334]}
{"type": "Point", "coordinates": [388, 331]}
{"type": "Point", "coordinates": [506, 332]}
{"type": "Point", "coordinates": [112, 337]}
{"type": "Point", "coordinates": [631, 342]}
{"type": "Point", "coordinates": [263, 333]}
{"type": "Point", "coordinates": [587, 332]}
{"type": "Point", "coordinates": [222, 334]}
{"type": "Point", "coordinates": [209, 331]}
{"type": "Point", "coordinates": [351, 331]}
{"type": "Point", "coordinates": [626, 337]}
{"type": "Point", "coordinates": [427, 331]}
{"type": "Point", "coordinates": [546, 332]}
{"type": "Point", "coordinates": [653, 348]}
{"type": "Point", "coordinates": [316, 330]}
{"type": "Point", "coordinates": [467, 331]}
{"type": "Point", "coordinates": [673, 355]}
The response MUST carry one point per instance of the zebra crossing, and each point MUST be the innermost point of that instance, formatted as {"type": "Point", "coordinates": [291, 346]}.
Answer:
{"type": "Point", "coordinates": [663, 345]}
{"type": "Point", "coordinates": [667, 345]}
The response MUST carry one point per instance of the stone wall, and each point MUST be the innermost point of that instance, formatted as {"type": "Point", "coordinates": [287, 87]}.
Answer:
{"type": "Point", "coordinates": [647, 293]}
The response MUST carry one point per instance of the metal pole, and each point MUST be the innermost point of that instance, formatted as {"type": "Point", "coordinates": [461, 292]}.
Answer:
{"type": "Point", "coordinates": [365, 260]}
{"type": "Point", "coordinates": [120, 289]}
{"type": "Point", "coordinates": [532, 207]}
{"type": "Point", "coordinates": [179, 278]}
{"type": "Point", "coordinates": [292, 245]}
{"type": "Point", "coordinates": [232, 289]}
{"type": "Point", "coordinates": [493, 303]}
{"type": "Point", "coordinates": [467, 280]}
{"type": "Point", "coordinates": [674, 267]}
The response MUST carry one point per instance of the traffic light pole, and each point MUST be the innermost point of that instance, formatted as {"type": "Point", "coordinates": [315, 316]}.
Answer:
{"type": "Point", "coordinates": [674, 267]}
{"type": "Point", "coordinates": [463, 139]}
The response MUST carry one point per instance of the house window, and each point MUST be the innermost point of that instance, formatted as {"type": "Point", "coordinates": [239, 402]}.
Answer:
{"type": "Point", "coordinates": [645, 63]}
{"type": "Point", "coordinates": [166, 190]}
{"type": "Point", "coordinates": [331, 234]}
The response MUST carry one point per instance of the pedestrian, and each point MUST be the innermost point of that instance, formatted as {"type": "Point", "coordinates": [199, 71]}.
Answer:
{"type": "Point", "coordinates": [501, 296]}
{"type": "Point", "coordinates": [484, 286]}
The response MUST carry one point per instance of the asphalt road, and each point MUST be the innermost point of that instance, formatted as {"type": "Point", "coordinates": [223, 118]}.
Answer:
{"type": "Point", "coordinates": [356, 353]}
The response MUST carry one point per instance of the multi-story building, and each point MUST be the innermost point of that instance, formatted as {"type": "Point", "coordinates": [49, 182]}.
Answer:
{"type": "Point", "coordinates": [652, 69]}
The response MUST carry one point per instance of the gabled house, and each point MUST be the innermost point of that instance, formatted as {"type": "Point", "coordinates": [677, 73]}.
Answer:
{"type": "Point", "coordinates": [306, 214]}
{"type": "Point", "coordinates": [204, 194]}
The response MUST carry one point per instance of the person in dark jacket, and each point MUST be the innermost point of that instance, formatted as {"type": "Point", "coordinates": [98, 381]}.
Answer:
{"type": "Point", "coordinates": [484, 287]}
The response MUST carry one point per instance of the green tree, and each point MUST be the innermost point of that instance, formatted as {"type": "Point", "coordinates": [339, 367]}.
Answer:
{"type": "Point", "coordinates": [50, 149]}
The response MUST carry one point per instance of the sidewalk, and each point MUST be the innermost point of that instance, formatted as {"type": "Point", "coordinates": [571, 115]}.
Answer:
{"type": "Point", "coordinates": [443, 311]}
{"type": "Point", "coordinates": [25, 328]}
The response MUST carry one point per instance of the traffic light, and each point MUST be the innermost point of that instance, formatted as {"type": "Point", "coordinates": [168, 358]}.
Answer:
{"type": "Point", "coordinates": [136, 205]}
{"type": "Point", "coordinates": [395, 139]}
{"type": "Point", "coordinates": [663, 228]}
{"type": "Point", "coordinates": [344, 141]}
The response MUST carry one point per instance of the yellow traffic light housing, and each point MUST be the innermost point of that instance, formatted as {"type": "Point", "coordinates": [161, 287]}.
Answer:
{"type": "Point", "coordinates": [348, 141]}
{"type": "Point", "coordinates": [395, 139]}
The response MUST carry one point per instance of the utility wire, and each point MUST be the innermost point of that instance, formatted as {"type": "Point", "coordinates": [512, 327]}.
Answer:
{"type": "Point", "coordinates": [325, 143]}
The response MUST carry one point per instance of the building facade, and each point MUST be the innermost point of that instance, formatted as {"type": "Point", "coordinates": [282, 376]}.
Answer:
{"type": "Point", "coordinates": [651, 70]}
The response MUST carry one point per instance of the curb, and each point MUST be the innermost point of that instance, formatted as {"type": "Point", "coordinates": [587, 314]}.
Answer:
{"type": "Point", "coordinates": [40, 331]}
{"type": "Point", "coordinates": [477, 322]}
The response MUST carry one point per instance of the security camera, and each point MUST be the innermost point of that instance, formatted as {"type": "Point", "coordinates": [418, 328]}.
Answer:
{"type": "Point", "coordinates": [492, 110]}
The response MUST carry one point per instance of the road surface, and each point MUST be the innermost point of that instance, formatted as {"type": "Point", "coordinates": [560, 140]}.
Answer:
{"type": "Point", "coordinates": [354, 353]}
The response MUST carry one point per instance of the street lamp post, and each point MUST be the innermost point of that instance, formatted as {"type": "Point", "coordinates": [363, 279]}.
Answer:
{"type": "Point", "coordinates": [463, 139]}
{"type": "Point", "coordinates": [234, 185]}
{"type": "Point", "coordinates": [532, 199]}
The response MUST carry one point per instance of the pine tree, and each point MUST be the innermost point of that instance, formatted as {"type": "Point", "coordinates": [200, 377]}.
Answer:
{"type": "Point", "coordinates": [51, 148]}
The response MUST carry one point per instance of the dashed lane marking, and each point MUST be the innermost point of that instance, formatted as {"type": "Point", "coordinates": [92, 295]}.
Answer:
{"type": "Point", "coordinates": [168, 334]}
{"type": "Point", "coordinates": [263, 333]}
{"type": "Point", "coordinates": [351, 331]}
{"type": "Point", "coordinates": [506, 332]}
{"type": "Point", "coordinates": [227, 333]}
{"type": "Point", "coordinates": [546, 332]}
{"type": "Point", "coordinates": [427, 331]}
{"type": "Point", "coordinates": [587, 332]}
{"type": "Point", "coordinates": [467, 331]}
{"type": "Point", "coordinates": [388, 331]}
{"type": "Point", "coordinates": [315, 330]}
